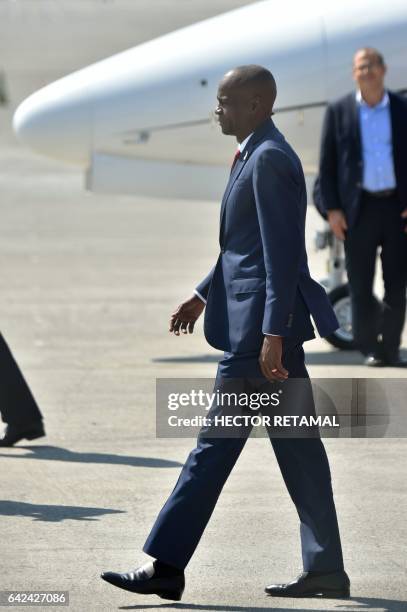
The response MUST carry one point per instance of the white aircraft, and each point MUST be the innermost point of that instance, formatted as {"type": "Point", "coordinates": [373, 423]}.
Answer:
{"type": "Point", "coordinates": [141, 121]}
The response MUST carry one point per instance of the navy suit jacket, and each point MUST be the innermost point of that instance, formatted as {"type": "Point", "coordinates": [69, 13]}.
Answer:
{"type": "Point", "coordinates": [339, 183]}
{"type": "Point", "coordinates": [261, 283]}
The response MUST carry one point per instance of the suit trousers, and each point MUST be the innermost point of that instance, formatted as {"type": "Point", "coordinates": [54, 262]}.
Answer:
{"type": "Point", "coordinates": [17, 404]}
{"type": "Point", "coordinates": [377, 326]}
{"type": "Point", "coordinates": [302, 461]}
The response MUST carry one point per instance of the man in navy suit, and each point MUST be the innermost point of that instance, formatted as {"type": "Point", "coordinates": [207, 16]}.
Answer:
{"type": "Point", "coordinates": [259, 297]}
{"type": "Point", "coordinates": [363, 190]}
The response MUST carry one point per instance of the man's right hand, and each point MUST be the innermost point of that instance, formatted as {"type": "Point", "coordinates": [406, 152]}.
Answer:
{"type": "Point", "coordinates": [270, 359]}
{"type": "Point", "coordinates": [185, 316]}
{"type": "Point", "coordinates": [338, 224]}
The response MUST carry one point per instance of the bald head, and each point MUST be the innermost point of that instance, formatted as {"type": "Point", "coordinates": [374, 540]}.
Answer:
{"type": "Point", "coordinates": [246, 97]}
{"type": "Point", "coordinates": [256, 81]}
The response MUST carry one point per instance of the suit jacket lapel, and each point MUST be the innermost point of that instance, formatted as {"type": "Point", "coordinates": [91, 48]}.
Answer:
{"type": "Point", "coordinates": [355, 125]}
{"type": "Point", "coordinates": [239, 165]}
{"type": "Point", "coordinates": [395, 121]}
{"type": "Point", "coordinates": [237, 168]}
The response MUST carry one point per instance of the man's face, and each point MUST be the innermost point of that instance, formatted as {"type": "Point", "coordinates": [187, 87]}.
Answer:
{"type": "Point", "coordinates": [234, 108]}
{"type": "Point", "coordinates": [368, 71]}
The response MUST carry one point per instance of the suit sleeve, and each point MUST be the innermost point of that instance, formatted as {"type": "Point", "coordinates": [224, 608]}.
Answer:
{"type": "Point", "coordinates": [202, 289]}
{"type": "Point", "coordinates": [328, 163]}
{"type": "Point", "coordinates": [278, 189]}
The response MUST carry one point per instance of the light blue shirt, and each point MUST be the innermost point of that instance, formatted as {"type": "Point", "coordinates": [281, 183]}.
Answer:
{"type": "Point", "coordinates": [377, 146]}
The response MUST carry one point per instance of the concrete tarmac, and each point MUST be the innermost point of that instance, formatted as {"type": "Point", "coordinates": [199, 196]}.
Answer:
{"type": "Point", "coordinates": [88, 284]}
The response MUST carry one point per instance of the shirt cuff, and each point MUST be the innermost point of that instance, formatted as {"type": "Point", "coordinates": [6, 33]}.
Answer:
{"type": "Point", "coordinates": [275, 335]}
{"type": "Point", "coordinates": [200, 296]}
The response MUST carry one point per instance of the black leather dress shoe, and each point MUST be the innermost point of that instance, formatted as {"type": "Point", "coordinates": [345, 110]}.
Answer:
{"type": "Point", "coordinates": [395, 362]}
{"type": "Point", "coordinates": [14, 434]}
{"type": "Point", "coordinates": [313, 584]}
{"type": "Point", "coordinates": [373, 361]}
{"type": "Point", "coordinates": [139, 581]}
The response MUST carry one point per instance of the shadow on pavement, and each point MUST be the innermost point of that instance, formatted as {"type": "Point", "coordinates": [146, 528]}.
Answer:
{"type": "Point", "coordinates": [337, 357]}
{"type": "Point", "coordinates": [354, 604]}
{"type": "Point", "coordinates": [189, 359]}
{"type": "Point", "coordinates": [334, 357]}
{"type": "Point", "coordinates": [53, 514]}
{"type": "Point", "coordinates": [54, 453]}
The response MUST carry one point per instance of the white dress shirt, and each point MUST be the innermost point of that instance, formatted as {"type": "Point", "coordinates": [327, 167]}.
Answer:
{"type": "Point", "coordinates": [244, 142]}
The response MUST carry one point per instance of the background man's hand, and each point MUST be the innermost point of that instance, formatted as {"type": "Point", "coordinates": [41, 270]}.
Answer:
{"type": "Point", "coordinates": [338, 224]}
{"type": "Point", "coordinates": [270, 358]}
{"type": "Point", "coordinates": [185, 316]}
{"type": "Point", "coordinates": [404, 215]}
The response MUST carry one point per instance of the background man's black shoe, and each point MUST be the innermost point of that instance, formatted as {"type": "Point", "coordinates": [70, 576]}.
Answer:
{"type": "Point", "coordinates": [146, 583]}
{"type": "Point", "coordinates": [14, 434]}
{"type": "Point", "coordinates": [313, 584]}
{"type": "Point", "coordinates": [395, 362]}
{"type": "Point", "coordinates": [374, 361]}
{"type": "Point", "coordinates": [385, 360]}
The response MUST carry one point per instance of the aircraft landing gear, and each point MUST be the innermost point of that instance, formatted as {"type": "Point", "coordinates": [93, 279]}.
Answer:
{"type": "Point", "coordinates": [342, 338]}
{"type": "Point", "coordinates": [337, 289]}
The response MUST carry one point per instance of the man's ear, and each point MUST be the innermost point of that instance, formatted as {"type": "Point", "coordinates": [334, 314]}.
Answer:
{"type": "Point", "coordinates": [255, 104]}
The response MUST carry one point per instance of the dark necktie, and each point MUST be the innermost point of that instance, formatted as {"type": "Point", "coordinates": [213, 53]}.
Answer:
{"type": "Point", "coordinates": [236, 157]}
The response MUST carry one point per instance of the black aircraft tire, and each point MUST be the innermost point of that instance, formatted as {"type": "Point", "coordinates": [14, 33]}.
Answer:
{"type": "Point", "coordinates": [342, 338]}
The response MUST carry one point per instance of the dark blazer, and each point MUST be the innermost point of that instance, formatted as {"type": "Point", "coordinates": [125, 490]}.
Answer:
{"type": "Point", "coordinates": [261, 282]}
{"type": "Point", "coordinates": [339, 183]}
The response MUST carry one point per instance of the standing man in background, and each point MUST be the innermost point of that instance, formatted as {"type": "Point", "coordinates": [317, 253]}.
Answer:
{"type": "Point", "coordinates": [18, 407]}
{"type": "Point", "coordinates": [363, 189]}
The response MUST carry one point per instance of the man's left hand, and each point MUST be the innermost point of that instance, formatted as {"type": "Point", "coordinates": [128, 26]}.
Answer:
{"type": "Point", "coordinates": [270, 359]}
{"type": "Point", "coordinates": [404, 215]}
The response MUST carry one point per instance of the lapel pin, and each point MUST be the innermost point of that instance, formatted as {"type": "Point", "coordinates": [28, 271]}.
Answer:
{"type": "Point", "coordinates": [245, 155]}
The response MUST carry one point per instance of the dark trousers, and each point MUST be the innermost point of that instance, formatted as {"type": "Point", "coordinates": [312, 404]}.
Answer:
{"type": "Point", "coordinates": [378, 225]}
{"type": "Point", "coordinates": [17, 404]}
{"type": "Point", "coordinates": [303, 464]}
